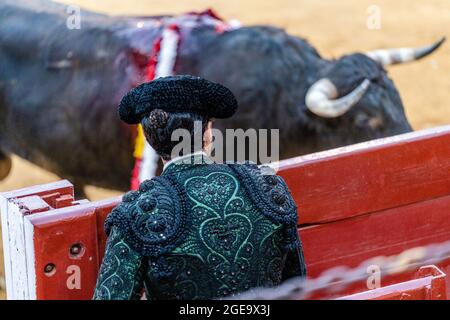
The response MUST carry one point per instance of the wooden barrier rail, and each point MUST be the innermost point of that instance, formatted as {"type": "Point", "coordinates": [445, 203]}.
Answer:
{"type": "Point", "coordinates": [371, 176]}
{"type": "Point", "coordinates": [376, 198]}
{"type": "Point", "coordinates": [428, 284]}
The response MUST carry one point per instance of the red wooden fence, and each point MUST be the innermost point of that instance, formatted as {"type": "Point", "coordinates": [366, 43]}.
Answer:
{"type": "Point", "coordinates": [376, 198]}
{"type": "Point", "coordinates": [428, 284]}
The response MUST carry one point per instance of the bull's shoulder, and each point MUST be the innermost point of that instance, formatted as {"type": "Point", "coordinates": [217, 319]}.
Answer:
{"type": "Point", "coordinates": [152, 219]}
{"type": "Point", "coordinates": [56, 37]}
{"type": "Point", "coordinates": [268, 191]}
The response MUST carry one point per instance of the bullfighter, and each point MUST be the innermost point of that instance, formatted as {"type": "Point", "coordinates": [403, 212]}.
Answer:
{"type": "Point", "coordinates": [201, 229]}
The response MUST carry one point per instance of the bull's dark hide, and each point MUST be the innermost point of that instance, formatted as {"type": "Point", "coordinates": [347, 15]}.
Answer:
{"type": "Point", "coordinates": [59, 88]}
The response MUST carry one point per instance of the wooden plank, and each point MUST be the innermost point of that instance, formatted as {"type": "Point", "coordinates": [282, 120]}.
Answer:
{"type": "Point", "coordinates": [101, 214]}
{"type": "Point", "coordinates": [66, 241]}
{"type": "Point", "coordinates": [429, 284]}
{"type": "Point", "coordinates": [352, 241]}
{"type": "Point", "coordinates": [370, 176]}
{"type": "Point", "coordinates": [63, 187]}
{"type": "Point", "coordinates": [6, 245]}
{"type": "Point", "coordinates": [33, 204]}
{"type": "Point", "coordinates": [59, 273]}
{"type": "Point", "coordinates": [14, 247]}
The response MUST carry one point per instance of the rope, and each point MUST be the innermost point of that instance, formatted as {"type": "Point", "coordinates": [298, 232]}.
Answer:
{"type": "Point", "coordinates": [340, 278]}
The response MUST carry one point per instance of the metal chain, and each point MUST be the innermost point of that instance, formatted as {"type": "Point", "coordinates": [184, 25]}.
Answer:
{"type": "Point", "coordinates": [339, 278]}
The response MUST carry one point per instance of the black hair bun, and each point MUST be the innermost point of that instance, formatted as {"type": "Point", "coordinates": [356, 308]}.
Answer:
{"type": "Point", "coordinates": [158, 118]}
{"type": "Point", "coordinates": [181, 93]}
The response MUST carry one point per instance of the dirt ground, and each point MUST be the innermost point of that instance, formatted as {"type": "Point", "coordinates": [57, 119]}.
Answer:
{"type": "Point", "coordinates": [334, 28]}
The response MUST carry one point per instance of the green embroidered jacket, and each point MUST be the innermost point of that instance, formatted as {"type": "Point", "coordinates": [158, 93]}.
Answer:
{"type": "Point", "coordinates": [199, 231]}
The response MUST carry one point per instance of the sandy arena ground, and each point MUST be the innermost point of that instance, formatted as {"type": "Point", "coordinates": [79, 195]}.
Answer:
{"type": "Point", "coordinates": [334, 28]}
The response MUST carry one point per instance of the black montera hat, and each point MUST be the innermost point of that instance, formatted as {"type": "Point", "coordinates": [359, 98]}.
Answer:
{"type": "Point", "coordinates": [177, 94]}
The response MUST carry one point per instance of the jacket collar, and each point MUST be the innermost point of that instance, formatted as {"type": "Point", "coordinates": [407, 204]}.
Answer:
{"type": "Point", "coordinates": [186, 161]}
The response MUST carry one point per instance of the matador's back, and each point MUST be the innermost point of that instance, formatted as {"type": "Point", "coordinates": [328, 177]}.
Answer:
{"type": "Point", "coordinates": [201, 231]}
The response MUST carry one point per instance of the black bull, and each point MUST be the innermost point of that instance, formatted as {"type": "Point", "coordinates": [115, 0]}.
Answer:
{"type": "Point", "coordinates": [59, 89]}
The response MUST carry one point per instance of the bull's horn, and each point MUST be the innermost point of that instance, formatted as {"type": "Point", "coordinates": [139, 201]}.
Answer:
{"type": "Point", "coordinates": [321, 98]}
{"type": "Point", "coordinates": [401, 55]}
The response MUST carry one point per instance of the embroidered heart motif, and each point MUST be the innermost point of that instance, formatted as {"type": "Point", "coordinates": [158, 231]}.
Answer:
{"type": "Point", "coordinates": [213, 191]}
{"type": "Point", "coordinates": [225, 231]}
{"type": "Point", "coordinates": [226, 236]}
